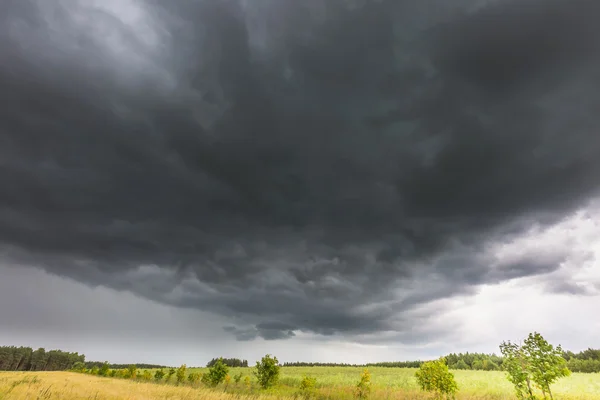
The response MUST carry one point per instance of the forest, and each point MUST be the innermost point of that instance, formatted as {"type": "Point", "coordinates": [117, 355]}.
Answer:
{"type": "Point", "coordinates": [14, 358]}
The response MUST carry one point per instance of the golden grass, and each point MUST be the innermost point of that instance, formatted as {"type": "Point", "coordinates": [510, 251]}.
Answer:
{"type": "Point", "coordinates": [68, 385]}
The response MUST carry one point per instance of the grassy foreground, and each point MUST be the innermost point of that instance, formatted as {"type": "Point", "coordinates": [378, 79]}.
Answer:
{"type": "Point", "coordinates": [333, 383]}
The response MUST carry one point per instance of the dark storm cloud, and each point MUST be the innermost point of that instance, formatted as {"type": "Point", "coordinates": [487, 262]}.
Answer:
{"type": "Point", "coordinates": [310, 166]}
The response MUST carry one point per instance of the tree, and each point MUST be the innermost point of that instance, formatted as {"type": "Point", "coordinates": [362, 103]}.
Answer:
{"type": "Point", "coordinates": [434, 376]}
{"type": "Point", "coordinates": [146, 375]}
{"type": "Point", "coordinates": [79, 367]}
{"type": "Point", "coordinates": [131, 371]}
{"type": "Point", "coordinates": [363, 387]}
{"type": "Point", "coordinates": [517, 367]}
{"type": "Point", "coordinates": [159, 375]}
{"type": "Point", "coordinates": [170, 374]}
{"type": "Point", "coordinates": [461, 364]}
{"type": "Point", "coordinates": [546, 362]}
{"type": "Point", "coordinates": [267, 371]}
{"type": "Point", "coordinates": [180, 374]}
{"type": "Point", "coordinates": [535, 361]}
{"type": "Point", "coordinates": [217, 373]}
{"type": "Point", "coordinates": [104, 369]}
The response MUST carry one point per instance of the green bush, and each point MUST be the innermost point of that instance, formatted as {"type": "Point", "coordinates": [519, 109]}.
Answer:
{"type": "Point", "coordinates": [217, 373]}
{"type": "Point", "coordinates": [237, 378]}
{"type": "Point", "coordinates": [308, 387]}
{"type": "Point", "coordinates": [159, 375]}
{"type": "Point", "coordinates": [434, 376]}
{"type": "Point", "coordinates": [267, 371]}
{"type": "Point", "coordinates": [194, 377]}
{"type": "Point", "coordinates": [180, 374]}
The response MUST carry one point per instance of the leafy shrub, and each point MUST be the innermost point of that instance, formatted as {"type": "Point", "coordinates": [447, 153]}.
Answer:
{"type": "Point", "coordinates": [104, 369]}
{"type": "Point", "coordinates": [217, 373]}
{"type": "Point", "coordinates": [237, 378]}
{"type": "Point", "coordinates": [194, 377]}
{"type": "Point", "coordinates": [267, 371]}
{"type": "Point", "coordinates": [146, 375]}
{"type": "Point", "coordinates": [434, 376]}
{"type": "Point", "coordinates": [363, 388]}
{"type": "Point", "coordinates": [180, 374]}
{"type": "Point", "coordinates": [308, 387]}
{"type": "Point", "coordinates": [247, 382]}
{"type": "Point", "coordinates": [170, 374]}
{"type": "Point", "coordinates": [159, 375]}
{"type": "Point", "coordinates": [131, 372]}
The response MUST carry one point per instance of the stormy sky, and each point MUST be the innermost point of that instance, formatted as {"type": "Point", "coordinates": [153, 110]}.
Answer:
{"type": "Point", "coordinates": [338, 180]}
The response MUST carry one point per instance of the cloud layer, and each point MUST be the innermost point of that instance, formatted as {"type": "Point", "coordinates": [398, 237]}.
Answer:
{"type": "Point", "coordinates": [325, 167]}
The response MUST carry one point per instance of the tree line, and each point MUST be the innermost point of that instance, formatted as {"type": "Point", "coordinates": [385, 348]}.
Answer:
{"type": "Point", "coordinates": [584, 361]}
{"type": "Point", "coordinates": [230, 362]}
{"type": "Point", "coordinates": [99, 364]}
{"type": "Point", "coordinates": [14, 358]}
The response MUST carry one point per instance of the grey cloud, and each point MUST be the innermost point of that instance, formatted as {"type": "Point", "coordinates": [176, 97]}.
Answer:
{"type": "Point", "coordinates": [296, 170]}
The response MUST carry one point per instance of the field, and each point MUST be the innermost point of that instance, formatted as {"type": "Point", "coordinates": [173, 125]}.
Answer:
{"type": "Point", "coordinates": [332, 382]}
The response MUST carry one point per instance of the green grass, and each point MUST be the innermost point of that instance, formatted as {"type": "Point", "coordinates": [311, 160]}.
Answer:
{"type": "Point", "coordinates": [399, 383]}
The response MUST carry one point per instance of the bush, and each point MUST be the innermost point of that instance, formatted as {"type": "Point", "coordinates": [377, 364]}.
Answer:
{"type": "Point", "coordinates": [194, 377]}
{"type": "Point", "coordinates": [79, 367]}
{"type": "Point", "coordinates": [146, 375]}
{"type": "Point", "coordinates": [217, 373]}
{"type": "Point", "coordinates": [237, 378]}
{"type": "Point", "coordinates": [434, 376]}
{"type": "Point", "coordinates": [180, 374]}
{"type": "Point", "coordinates": [170, 374]}
{"type": "Point", "coordinates": [363, 388]}
{"type": "Point", "coordinates": [159, 375]}
{"type": "Point", "coordinates": [104, 369]}
{"type": "Point", "coordinates": [267, 371]}
{"type": "Point", "coordinates": [131, 372]}
{"type": "Point", "coordinates": [308, 387]}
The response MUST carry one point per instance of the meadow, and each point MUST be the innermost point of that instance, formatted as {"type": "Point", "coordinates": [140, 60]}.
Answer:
{"type": "Point", "coordinates": [332, 383]}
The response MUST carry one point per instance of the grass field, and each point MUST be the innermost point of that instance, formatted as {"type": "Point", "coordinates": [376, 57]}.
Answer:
{"type": "Point", "coordinates": [332, 382]}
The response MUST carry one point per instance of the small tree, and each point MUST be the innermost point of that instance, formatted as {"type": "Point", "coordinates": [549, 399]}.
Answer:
{"type": "Point", "coordinates": [104, 369]}
{"type": "Point", "coordinates": [546, 362]}
{"type": "Point", "coordinates": [95, 370]}
{"type": "Point", "coordinates": [434, 376]}
{"type": "Point", "coordinates": [237, 378]}
{"type": "Point", "coordinates": [363, 387]}
{"type": "Point", "coordinates": [217, 373]}
{"type": "Point", "coordinates": [159, 375]}
{"type": "Point", "coordinates": [517, 367]}
{"type": "Point", "coordinates": [146, 375]}
{"type": "Point", "coordinates": [194, 377]}
{"type": "Point", "coordinates": [131, 371]}
{"type": "Point", "coordinates": [267, 371]}
{"type": "Point", "coordinates": [170, 374]}
{"type": "Point", "coordinates": [247, 382]}
{"type": "Point", "coordinates": [180, 374]}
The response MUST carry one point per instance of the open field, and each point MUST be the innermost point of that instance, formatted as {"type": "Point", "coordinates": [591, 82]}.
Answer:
{"type": "Point", "coordinates": [333, 383]}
